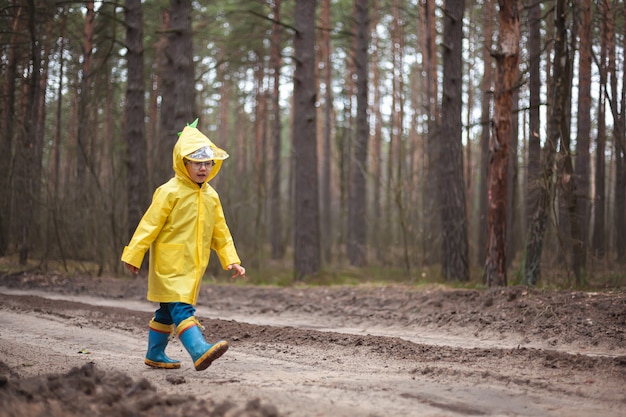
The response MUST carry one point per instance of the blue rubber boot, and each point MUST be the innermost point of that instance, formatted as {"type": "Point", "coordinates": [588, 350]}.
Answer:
{"type": "Point", "coordinates": [158, 337]}
{"type": "Point", "coordinates": [202, 353]}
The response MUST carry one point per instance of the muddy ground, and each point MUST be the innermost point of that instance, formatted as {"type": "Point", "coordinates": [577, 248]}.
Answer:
{"type": "Point", "coordinates": [75, 347]}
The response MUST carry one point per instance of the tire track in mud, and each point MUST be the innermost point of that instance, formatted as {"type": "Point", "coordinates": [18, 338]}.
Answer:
{"type": "Point", "coordinates": [291, 317]}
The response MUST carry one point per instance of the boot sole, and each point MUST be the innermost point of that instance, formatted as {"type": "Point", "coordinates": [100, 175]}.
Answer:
{"type": "Point", "coordinates": [162, 365]}
{"type": "Point", "coordinates": [212, 354]}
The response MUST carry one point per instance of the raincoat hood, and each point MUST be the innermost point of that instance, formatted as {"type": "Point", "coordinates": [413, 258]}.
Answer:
{"type": "Point", "coordinates": [195, 146]}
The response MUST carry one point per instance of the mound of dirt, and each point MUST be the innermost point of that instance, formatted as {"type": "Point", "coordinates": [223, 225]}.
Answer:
{"type": "Point", "coordinates": [88, 391]}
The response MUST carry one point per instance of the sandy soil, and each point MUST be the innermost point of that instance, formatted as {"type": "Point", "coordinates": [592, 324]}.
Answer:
{"type": "Point", "coordinates": [75, 347]}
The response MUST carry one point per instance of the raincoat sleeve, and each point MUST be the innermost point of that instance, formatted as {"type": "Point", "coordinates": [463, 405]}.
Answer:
{"type": "Point", "coordinates": [222, 242]}
{"type": "Point", "coordinates": [149, 228]}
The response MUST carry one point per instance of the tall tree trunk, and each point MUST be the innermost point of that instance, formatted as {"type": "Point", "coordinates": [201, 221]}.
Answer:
{"type": "Point", "coordinates": [599, 200]}
{"type": "Point", "coordinates": [454, 256]}
{"type": "Point", "coordinates": [6, 125]}
{"type": "Point", "coordinates": [507, 68]}
{"type": "Point", "coordinates": [619, 211]}
{"type": "Point", "coordinates": [485, 126]}
{"type": "Point", "coordinates": [42, 197]}
{"type": "Point", "coordinates": [566, 179]}
{"type": "Point", "coordinates": [154, 90]}
{"type": "Point", "coordinates": [357, 201]}
{"type": "Point", "coordinates": [54, 166]}
{"type": "Point", "coordinates": [377, 139]}
{"type": "Point", "coordinates": [177, 87]}
{"type": "Point", "coordinates": [513, 227]}
{"type": "Point", "coordinates": [28, 153]}
{"type": "Point", "coordinates": [345, 141]}
{"type": "Point", "coordinates": [276, 231]}
{"type": "Point", "coordinates": [398, 162]}
{"type": "Point", "coordinates": [433, 185]}
{"type": "Point", "coordinates": [181, 49]}
{"type": "Point", "coordinates": [620, 135]}
{"type": "Point", "coordinates": [260, 160]}
{"type": "Point", "coordinates": [558, 102]}
{"type": "Point", "coordinates": [414, 183]}
{"type": "Point", "coordinates": [533, 172]}
{"type": "Point", "coordinates": [582, 167]}
{"type": "Point", "coordinates": [134, 131]}
{"type": "Point", "coordinates": [392, 186]}
{"type": "Point", "coordinates": [307, 257]}
{"type": "Point", "coordinates": [83, 157]}
{"type": "Point", "coordinates": [326, 66]}
{"type": "Point", "coordinates": [160, 115]}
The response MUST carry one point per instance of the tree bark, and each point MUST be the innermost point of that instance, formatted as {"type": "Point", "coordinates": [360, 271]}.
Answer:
{"type": "Point", "coordinates": [307, 258]}
{"type": "Point", "coordinates": [507, 68]}
{"type": "Point", "coordinates": [376, 156]}
{"type": "Point", "coordinates": [619, 211]}
{"type": "Point", "coordinates": [514, 234]}
{"type": "Point", "coordinates": [177, 85]}
{"type": "Point", "coordinates": [571, 240]}
{"type": "Point", "coordinates": [276, 229]}
{"type": "Point", "coordinates": [533, 171]}
{"type": "Point", "coordinates": [599, 200]}
{"type": "Point", "coordinates": [398, 163]}
{"type": "Point", "coordinates": [326, 121]}
{"type": "Point", "coordinates": [181, 49]}
{"type": "Point", "coordinates": [454, 256]}
{"type": "Point", "coordinates": [620, 182]}
{"type": "Point", "coordinates": [485, 125]}
{"type": "Point", "coordinates": [558, 101]}
{"type": "Point", "coordinates": [432, 228]}
{"type": "Point", "coordinates": [134, 131]}
{"type": "Point", "coordinates": [29, 152]}
{"type": "Point", "coordinates": [357, 202]}
{"type": "Point", "coordinates": [160, 114]}
{"type": "Point", "coordinates": [54, 167]}
{"type": "Point", "coordinates": [582, 167]}
{"type": "Point", "coordinates": [259, 154]}
{"type": "Point", "coordinates": [8, 90]}
{"type": "Point", "coordinates": [83, 157]}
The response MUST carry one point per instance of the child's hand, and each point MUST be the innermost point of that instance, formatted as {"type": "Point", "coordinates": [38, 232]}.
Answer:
{"type": "Point", "coordinates": [133, 269]}
{"type": "Point", "coordinates": [240, 271]}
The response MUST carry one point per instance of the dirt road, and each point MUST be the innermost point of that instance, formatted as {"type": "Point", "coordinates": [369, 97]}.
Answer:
{"type": "Point", "coordinates": [73, 347]}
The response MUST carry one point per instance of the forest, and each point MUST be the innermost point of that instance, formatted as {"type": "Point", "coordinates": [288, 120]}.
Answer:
{"type": "Point", "coordinates": [428, 140]}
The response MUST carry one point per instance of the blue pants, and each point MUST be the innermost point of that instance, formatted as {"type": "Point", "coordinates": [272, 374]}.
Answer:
{"type": "Point", "coordinates": [174, 313]}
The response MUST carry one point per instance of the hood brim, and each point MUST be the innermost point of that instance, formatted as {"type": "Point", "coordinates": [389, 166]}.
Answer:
{"type": "Point", "coordinates": [191, 140]}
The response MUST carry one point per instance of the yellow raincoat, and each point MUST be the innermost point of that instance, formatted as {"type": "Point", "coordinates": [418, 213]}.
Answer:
{"type": "Point", "coordinates": [181, 226]}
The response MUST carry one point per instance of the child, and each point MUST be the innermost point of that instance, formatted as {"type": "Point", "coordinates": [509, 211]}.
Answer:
{"type": "Point", "coordinates": [181, 226]}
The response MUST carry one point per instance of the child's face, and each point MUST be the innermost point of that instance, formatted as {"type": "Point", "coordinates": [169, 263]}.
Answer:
{"type": "Point", "coordinates": [198, 171]}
